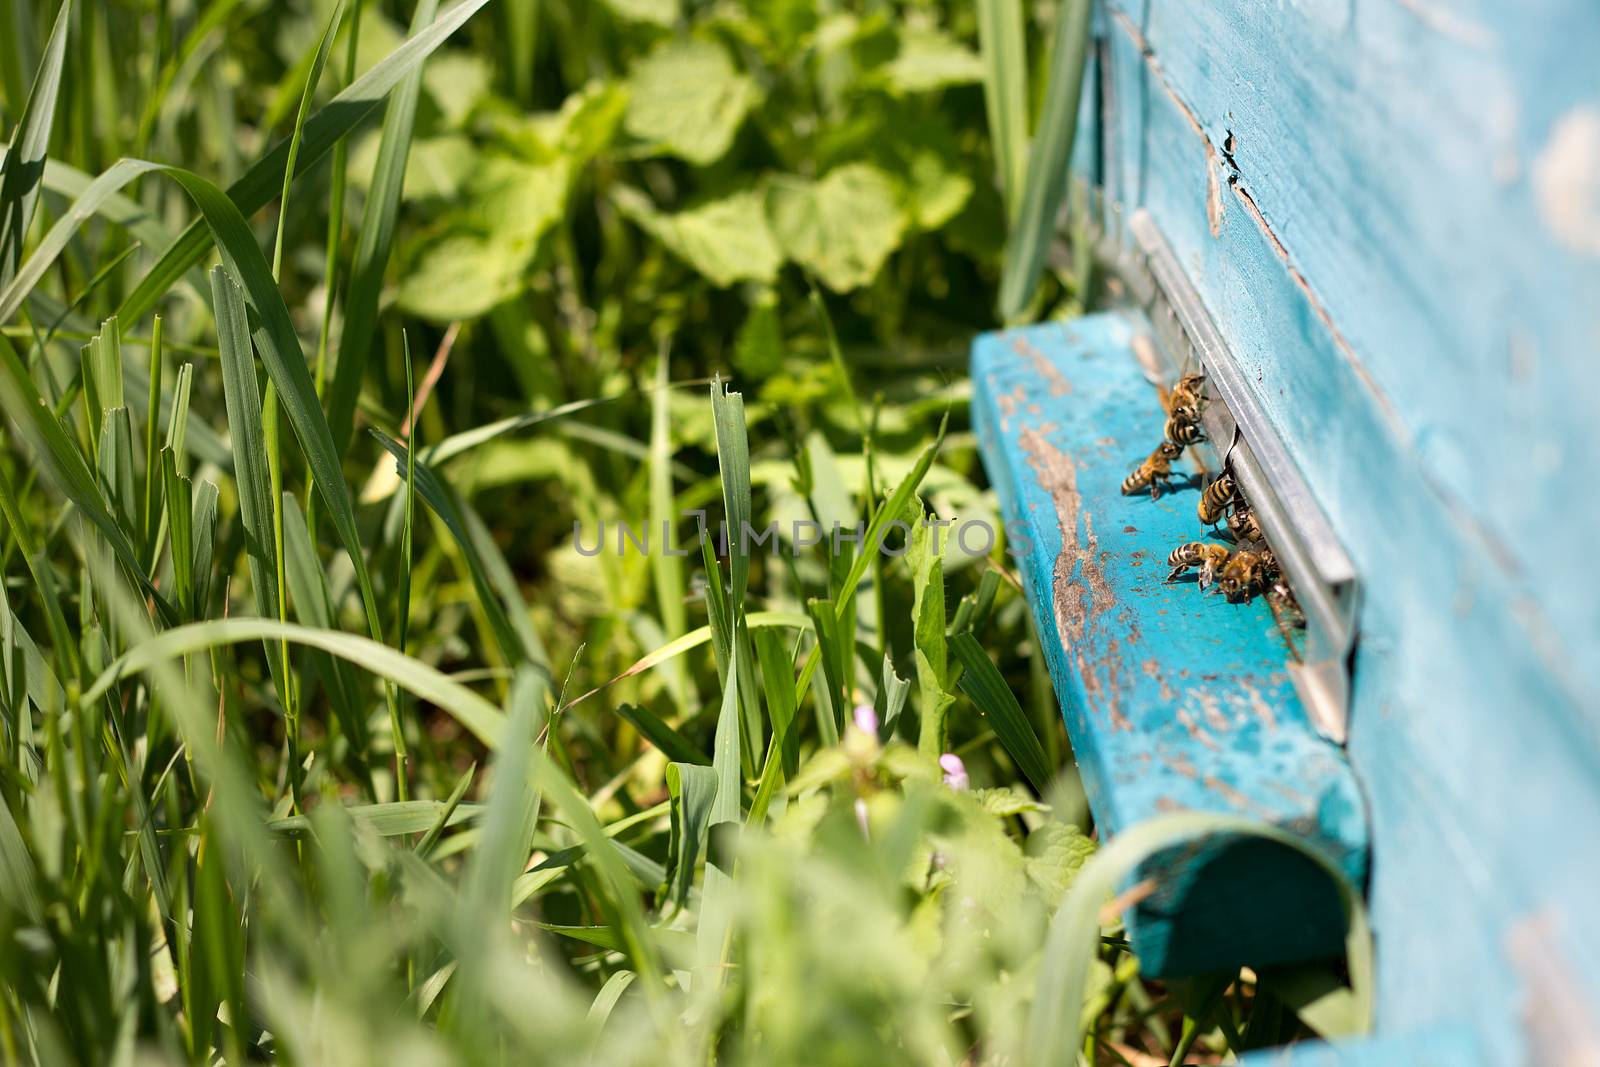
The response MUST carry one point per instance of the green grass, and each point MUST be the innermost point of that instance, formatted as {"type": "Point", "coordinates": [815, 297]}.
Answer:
{"type": "Point", "coordinates": [322, 740]}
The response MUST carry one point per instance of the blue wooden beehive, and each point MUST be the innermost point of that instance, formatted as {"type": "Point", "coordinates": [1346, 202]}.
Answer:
{"type": "Point", "coordinates": [1376, 227]}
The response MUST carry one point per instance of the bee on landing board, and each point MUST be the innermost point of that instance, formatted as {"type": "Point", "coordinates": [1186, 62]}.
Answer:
{"type": "Point", "coordinates": [1247, 574]}
{"type": "Point", "coordinates": [1218, 495]}
{"type": "Point", "coordinates": [1243, 525]}
{"type": "Point", "coordinates": [1203, 554]}
{"type": "Point", "coordinates": [1153, 473]}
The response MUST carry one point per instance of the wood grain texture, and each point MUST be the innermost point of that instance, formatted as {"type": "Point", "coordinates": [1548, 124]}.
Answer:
{"type": "Point", "coordinates": [1386, 206]}
{"type": "Point", "coordinates": [1175, 700]}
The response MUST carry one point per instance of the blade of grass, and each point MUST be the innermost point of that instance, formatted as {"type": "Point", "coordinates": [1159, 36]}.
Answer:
{"type": "Point", "coordinates": [313, 604]}
{"type": "Point", "coordinates": [376, 238]}
{"type": "Point", "coordinates": [242, 398]}
{"type": "Point", "coordinates": [62, 464]}
{"type": "Point", "coordinates": [447, 813]}
{"type": "Point", "coordinates": [152, 442]}
{"type": "Point", "coordinates": [23, 171]}
{"type": "Point", "coordinates": [336, 197]}
{"type": "Point", "coordinates": [279, 348]}
{"type": "Point", "coordinates": [777, 678]}
{"type": "Point", "coordinates": [692, 789]}
{"type": "Point", "coordinates": [1048, 160]}
{"type": "Point", "coordinates": [665, 567]}
{"type": "Point", "coordinates": [439, 498]}
{"type": "Point", "coordinates": [511, 812]}
{"type": "Point", "coordinates": [313, 78]}
{"type": "Point", "coordinates": [655, 730]}
{"type": "Point", "coordinates": [981, 681]}
{"type": "Point", "coordinates": [403, 596]}
{"type": "Point", "coordinates": [717, 891]}
{"type": "Point", "coordinates": [1005, 92]}
{"type": "Point", "coordinates": [832, 689]}
{"type": "Point", "coordinates": [692, 640]}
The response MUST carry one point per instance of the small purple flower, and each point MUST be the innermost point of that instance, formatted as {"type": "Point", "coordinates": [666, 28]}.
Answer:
{"type": "Point", "coordinates": [866, 719]}
{"type": "Point", "coordinates": [955, 772]}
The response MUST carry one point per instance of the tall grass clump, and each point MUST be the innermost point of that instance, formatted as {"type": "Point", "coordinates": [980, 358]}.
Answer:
{"type": "Point", "coordinates": [332, 337]}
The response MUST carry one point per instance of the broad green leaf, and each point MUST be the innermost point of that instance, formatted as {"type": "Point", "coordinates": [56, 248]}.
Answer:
{"type": "Point", "coordinates": [758, 351]}
{"type": "Point", "coordinates": [463, 276]}
{"type": "Point", "coordinates": [726, 240]}
{"type": "Point", "coordinates": [457, 81]}
{"type": "Point", "coordinates": [437, 168]}
{"type": "Point", "coordinates": [654, 12]}
{"type": "Point", "coordinates": [843, 227]}
{"type": "Point", "coordinates": [981, 681]}
{"type": "Point", "coordinates": [1056, 851]}
{"type": "Point", "coordinates": [686, 99]}
{"type": "Point", "coordinates": [925, 156]}
{"type": "Point", "coordinates": [930, 59]}
{"type": "Point", "coordinates": [586, 125]}
{"type": "Point", "coordinates": [23, 170]}
{"type": "Point", "coordinates": [484, 259]}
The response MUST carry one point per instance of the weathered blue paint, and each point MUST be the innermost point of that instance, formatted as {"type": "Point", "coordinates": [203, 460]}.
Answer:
{"type": "Point", "coordinates": [1391, 209]}
{"type": "Point", "coordinates": [1175, 699]}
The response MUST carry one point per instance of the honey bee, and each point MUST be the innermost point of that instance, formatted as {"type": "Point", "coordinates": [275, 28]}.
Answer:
{"type": "Point", "coordinates": [1203, 554]}
{"type": "Point", "coordinates": [1186, 394]}
{"type": "Point", "coordinates": [1247, 574]}
{"type": "Point", "coordinates": [1243, 525]}
{"type": "Point", "coordinates": [1218, 495]}
{"type": "Point", "coordinates": [1153, 472]}
{"type": "Point", "coordinates": [1183, 426]}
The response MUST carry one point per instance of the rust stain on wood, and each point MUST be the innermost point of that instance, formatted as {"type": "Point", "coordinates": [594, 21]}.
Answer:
{"type": "Point", "coordinates": [1059, 386]}
{"type": "Point", "coordinates": [1078, 584]}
